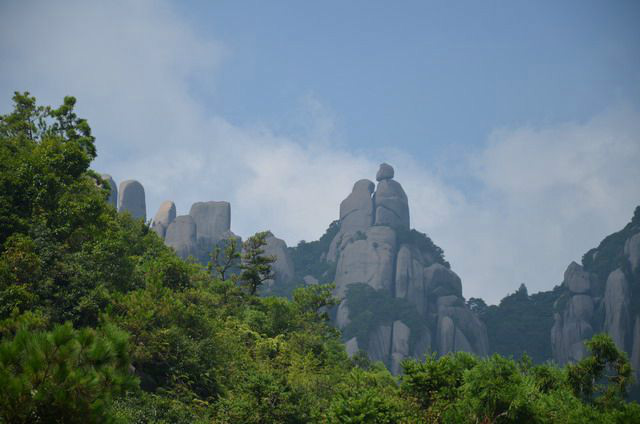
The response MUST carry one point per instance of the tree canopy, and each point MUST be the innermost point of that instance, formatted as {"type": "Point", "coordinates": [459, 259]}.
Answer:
{"type": "Point", "coordinates": [101, 322]}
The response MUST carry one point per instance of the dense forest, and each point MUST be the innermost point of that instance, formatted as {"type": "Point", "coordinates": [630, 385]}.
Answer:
{"type": "Point", "coordinates": [101, 322]}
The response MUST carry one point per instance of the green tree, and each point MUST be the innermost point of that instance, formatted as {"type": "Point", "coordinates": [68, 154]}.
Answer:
{"type": "Point", "coordinates": [256, 267]}
{"type": "Point", "coordinates": [224, 259]}
{"type": "Point", "coordinates": [63, 376]}
{"type": "Point", "coordinates": [604, 375]}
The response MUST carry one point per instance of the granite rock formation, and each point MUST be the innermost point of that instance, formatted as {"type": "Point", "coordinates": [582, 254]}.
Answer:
{"type": "Point", "coordinates": [164, 217]}
{"type": "Point", "coordinates": [181, 235]}
{"type": "Point", "coordinates": [131, 199]}
{"type": "Point", "coordinates": [113, 194]}
{"type": "Point", "coordinates": [282, 268]}
{"type": "Point", "coordinates": [601, 296]}
{"type": "Point", "coordinates": [375, 247]}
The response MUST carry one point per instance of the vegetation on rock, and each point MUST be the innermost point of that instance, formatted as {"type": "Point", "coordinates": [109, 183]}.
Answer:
{"type": "Point", "coordinates": [101, 322]}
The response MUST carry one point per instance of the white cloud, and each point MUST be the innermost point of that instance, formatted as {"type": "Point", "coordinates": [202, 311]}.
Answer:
{"type": "Point", "coordinates": [545, 195]}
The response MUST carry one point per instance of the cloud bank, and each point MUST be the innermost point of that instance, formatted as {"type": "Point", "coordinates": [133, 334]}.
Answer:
{"type": "Point", "coordinates": [539, 197]}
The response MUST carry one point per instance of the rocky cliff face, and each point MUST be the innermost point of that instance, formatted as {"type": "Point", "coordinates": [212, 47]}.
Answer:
{"type": "Point", "coordinates": [601, 295]}
{"type": "Point", "coordinates": [374, 247]}
{"type": "Point", "coordinates": [400, 298]}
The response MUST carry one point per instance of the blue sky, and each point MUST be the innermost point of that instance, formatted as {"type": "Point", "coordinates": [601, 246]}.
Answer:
{"type": "Point", "coordinates": [514, 127]}
{"type": "Point", "coordinates": [423, 75]}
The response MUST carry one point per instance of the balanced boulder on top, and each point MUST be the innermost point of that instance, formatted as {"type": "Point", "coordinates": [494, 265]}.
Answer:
{"type": "Point", "coordinates": [390, 201]}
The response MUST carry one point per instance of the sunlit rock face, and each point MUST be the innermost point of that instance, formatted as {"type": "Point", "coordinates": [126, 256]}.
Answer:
{"type": "Point", "coordinates": [181, 235]}
{"type": "Point", "coordinates": [164, 217]}
{"type": "Point", "coordinates": [601, 295]}
{"type": "Point", "coordinates": [374, 247]}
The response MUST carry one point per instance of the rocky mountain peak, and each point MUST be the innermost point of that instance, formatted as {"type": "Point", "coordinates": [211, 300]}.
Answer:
{"type": "Point", "coordinates": [385, 172]}
{"type": "Point", "coordinates": [378, 256]}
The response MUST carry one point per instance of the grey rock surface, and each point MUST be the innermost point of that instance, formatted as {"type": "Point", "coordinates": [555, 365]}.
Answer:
{"type": "Point", "coordinates": [165, 216]}
{"type": "Point", "coordinates": [342, 315]}
{"type": "Point", "coordinates": [113, 194]}
{"type": "Point", "coordinates": [577, 279]}
{"type": "Point", "coordinates": [410, 282]}
{"type": "Point", "coordinates": [470, 334]}
{"type": "Point", "coordinates": [131, 198]}
{"type": "Point", "coordinates": [616, 303]}
{"type": "Point", "coordinates": [368, 259]}
{"type": "Point", "coordinates": [581, 307]}
{"type": "Point", "coordinates": [356, 214]}
{"type": "Point", "coordinates": [391, 205]}
{"type": "Point", "coordinates": [356, 211]}
{"type": "Point", "coordinates": [441, 281]}
{"type": "Point", "coordinates": [282, 268]}
{"type": "Point", "coordinates": [632, 251]}
{"type": "Point", "coordinates": [446, 335]}
{"type": "Point", "coordinates": [365, 250]}
{"type": "Point", "coordinates": [401, 335]}
{"type": "Point", "coordinates": [181, 236]}
{"type": "Point", "coordinates": [380, 344]}
{"type": "Point", "coordinates": [213, 221]}
{"type": "Point", "coordinates": [385, 172]}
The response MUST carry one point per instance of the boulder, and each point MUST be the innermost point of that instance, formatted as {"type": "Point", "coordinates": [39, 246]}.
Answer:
{"type": "Point", "coordinates": [616, 303]}
{"type": "Point", "coordinates": [466, 324]}
{"type": "Point", "coordinates": [632, 251]}
{"type": "Point", "coordinates": [385, 172]}
{"type": "Point", "coordinates": [131, 199]}
{"type": "Point", "coordinates": [181, 236]}
{"type": "Point", "coordinates": [571, 327]}
{"type": "Point", "coordinates": [113, 190]}
{"type": "Point", "coordinates": [399, 345]}
{"type": "Point", "coordinates": [356, 211]}
{"type": "Point", "coordinates": [445, 335]}
{"type": "Point", "coordinates": [356, 214]}
{"type": "Point", "coordinates": [391, 205]}
{"type": "Point", "coordinates": [368, 259]}
{"type": "Point", "coordinates": [409, 282]}
{"type": "Point", "coordinates": [282, 268]}
{"type": "Point", "coordinates": [577, 279]}
{"type": "Point", "coordinates": [165, 216]}
{"type": "Point", "coordinates": [441, 281]}
{"type": "Point", "coordinates": [444, 302]}
{"type": "Point", "coordinates": [401, 334]}
{"type": "Point", "coordinates": [213, 220]}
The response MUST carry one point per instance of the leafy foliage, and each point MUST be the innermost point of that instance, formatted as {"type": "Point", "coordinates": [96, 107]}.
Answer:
{"type": "Point", "coordinates": [307, 257]}
{"type": "Point", "coordinates": [62, 376]}
{"type": "Point", "coordinates": [423, 243]}
{"type": "Point", "coordinates": [520, 324]}
{"type": "Point", "coordinates": [100, 322]}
